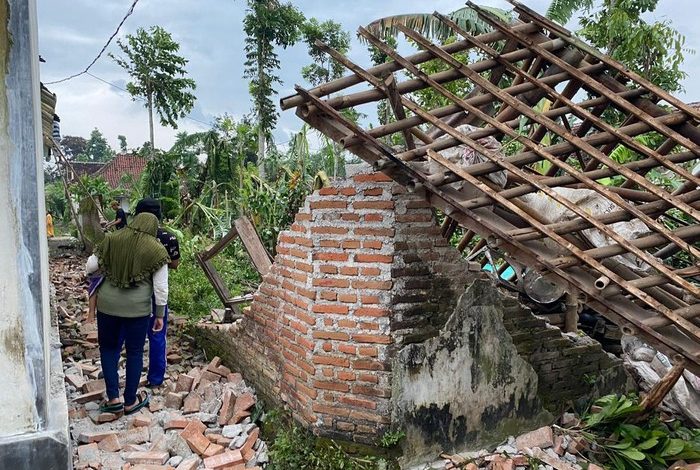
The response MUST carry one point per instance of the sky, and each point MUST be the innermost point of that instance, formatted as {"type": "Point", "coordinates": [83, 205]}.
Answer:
{"type": "Point", "coordinates": [210, 34]}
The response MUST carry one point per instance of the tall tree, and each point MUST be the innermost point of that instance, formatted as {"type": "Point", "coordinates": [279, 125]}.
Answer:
{"type": "Point", "coordinates": [322, 67]}
{"type": "Point", "coordinates": [654, 50]}
{"type": "Point", "coordinates": [122, 143]}
{"type": "Point", "coordinates": [73, 145]}
{"type": "Point", "coordinates": [97, 148]}
{"type": "Point", "coordinates": [158, 75]}
{"type": "Point", "coordinates": [267, 24]}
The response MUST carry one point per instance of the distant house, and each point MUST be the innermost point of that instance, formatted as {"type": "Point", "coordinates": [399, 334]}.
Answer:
{"type": "Point", "coordinates": [123, 171]}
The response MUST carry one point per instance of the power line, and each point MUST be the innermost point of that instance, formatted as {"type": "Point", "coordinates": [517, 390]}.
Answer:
{"type": "Point", "coordinates": [128, 13]}
{"type": "Point", "coordinates": [139, 97]}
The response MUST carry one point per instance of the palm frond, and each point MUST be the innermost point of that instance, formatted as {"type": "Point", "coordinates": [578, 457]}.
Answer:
{"type": "Point", "coordinates": [561, 11]}
{"type": "Point", "coordinates": [431, 27]}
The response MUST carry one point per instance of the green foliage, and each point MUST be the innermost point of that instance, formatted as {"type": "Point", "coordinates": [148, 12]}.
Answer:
{"type": "Point", "coordinates": [157, 73]}
{"type": "Point", "coordinates": [294, 448]}
{"type": "Point", "coordinates": [191, 294]}
{"type": "Point", "coordinates": [268, 23]}
{"type": "Point", "coordinates": [654, 50]}
{"type": "Point", "coordinates": [392, 438]}
{"type": "Point", "coordinates": [96, 149]}
{"type": "Point", "coordinates": [94, 186]}
{"type": "Point", "coordinates": [431, 27]}
{"type": "Point", "coordinates": [626, 446]}
{"type": "Point", "coordinates": [55, 200]}
{"type": "Point", "coordinates": [122, 143]}
{"type": "Point", "coordinates": [73, 145]}
{"type": "Point", "coordinates": [323, 68]}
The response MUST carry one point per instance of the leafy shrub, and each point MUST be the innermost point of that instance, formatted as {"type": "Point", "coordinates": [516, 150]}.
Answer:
{"type": "Point", "coordinates": [650, 445]}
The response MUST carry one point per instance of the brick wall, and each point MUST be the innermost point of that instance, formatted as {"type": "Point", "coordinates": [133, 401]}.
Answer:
{"type": "Point", "coordinates": [362, 273]}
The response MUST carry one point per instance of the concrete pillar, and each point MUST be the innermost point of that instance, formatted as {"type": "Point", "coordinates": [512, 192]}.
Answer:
{"type": "Point", "coordinates": [33, 424]}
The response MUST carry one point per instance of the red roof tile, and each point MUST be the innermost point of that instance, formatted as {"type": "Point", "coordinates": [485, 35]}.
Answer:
{"type": "Point", "coordinates": [120, 165]}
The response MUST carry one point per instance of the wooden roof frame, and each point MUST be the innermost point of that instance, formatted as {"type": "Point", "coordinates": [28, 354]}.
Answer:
{"type": "Point", "coordinates": [543, 60]}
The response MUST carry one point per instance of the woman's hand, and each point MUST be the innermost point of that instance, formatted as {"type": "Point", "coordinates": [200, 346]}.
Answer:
{"type": "Point", "coordinates": [158, 324]}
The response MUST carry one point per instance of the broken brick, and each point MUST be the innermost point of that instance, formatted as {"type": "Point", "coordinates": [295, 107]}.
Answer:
{"type": "Point", "coordinates": [192, 403]}
{"type": "Point", "coordinates": [184, 383]}
{"type": "Point", "coordinates": [228, 402]}
{"type": "Point", "coordinates": [213, 449]}
{"type": "Point", "coordinates": [150, 457]}
{"type": "Point", "coordinates": [224, 460]}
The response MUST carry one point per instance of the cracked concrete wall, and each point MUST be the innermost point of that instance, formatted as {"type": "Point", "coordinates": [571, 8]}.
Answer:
{"type": "Point", "coordinates": [467, 386]}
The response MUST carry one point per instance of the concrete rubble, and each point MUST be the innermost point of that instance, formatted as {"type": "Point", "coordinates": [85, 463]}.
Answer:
{"type": "Point", "coordinates": [202, 417]}
{"type": "Point", "coordinates": [648, 366]}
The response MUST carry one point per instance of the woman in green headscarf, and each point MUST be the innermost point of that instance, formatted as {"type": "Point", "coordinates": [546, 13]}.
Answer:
{"type": "Point", "coordinates": [135, 269]}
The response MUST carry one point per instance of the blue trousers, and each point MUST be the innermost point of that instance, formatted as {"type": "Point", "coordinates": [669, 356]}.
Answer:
{"type": "Point", "coordinates": [111, 331]}
{"type": "Point", "coordinates": [156, 350]}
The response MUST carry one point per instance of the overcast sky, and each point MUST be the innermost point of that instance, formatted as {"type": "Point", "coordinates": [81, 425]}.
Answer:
{"type": "Point", "coordinates": [210, 32]}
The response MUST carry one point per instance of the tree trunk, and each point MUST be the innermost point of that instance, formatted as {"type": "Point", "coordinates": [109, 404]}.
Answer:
{"type": "Point", "coordinates": [261, 131]}
{"type": "Point", "coordinates": [150, 123]}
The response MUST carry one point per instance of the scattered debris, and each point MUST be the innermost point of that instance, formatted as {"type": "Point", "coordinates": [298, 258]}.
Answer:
{"type": "Point", "coordinates": [199, 418]}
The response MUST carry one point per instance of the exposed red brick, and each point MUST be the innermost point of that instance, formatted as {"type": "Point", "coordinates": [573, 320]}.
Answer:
{"type": "Point", "coordinates": [328, 295]}
{"type": "Point", "coordinates": [358, 402]}
{"type": "Point", "coordinates": [373, 205]}
{"type": "Point", "coordinates": [328, 269]}
{"type": "Point", "coordinates": [370, 271]}
{"type": "Point", "coordinates": [371, 312]}
{"type": "Point", "coordinates": [348, 271]}
{"type": "Point", "coordinates": [330, 385]}
{"type": "Point", "coordinates": [368, 351]}
{"type": "Point", "coordinates": [369, 299]}
{"type": "Point", "coordinates": [343, 323]}
{"type": "Point", "coordinates": [350, 244]}
{"type": "Point", "coordinates": [346, 376]}
{"type": "Point", "coordinates": [328, 204]}
{"type": "Point", "coordinates": [347, 298]}
{"type": "Point", "coordinates": [368, 378]}
{"type": "Point", "coordinates": [373, 192]}
{"type": "Point", "coordinates": [330, 308]}
{"type": "Point", "coordinates": [326, 243]}
{"type": "Point", "coordinates": [377, 232]}
{"type": "Point", "coordinates": [330, 410]}
{"type": "Point", "coordinates": [348, 191]}
{"type": "Point", "coordinates": [377, 285]}
{"type": "Point", "coordinates": [328, 191]}
{"type": "Point", "coordinates": [329, 230]}
{"type": "Point", "coordinates": [347, 349]}
{"type": "Point", "coordinates": [331, 361]}
{"type": "Point", "coordinates": [350, 217]}
{"type": "Point", "coordinates": [374, 218]}
{"type": "Point", "coordinates": [331, 282]}
{"type": "Point", "coordinates": [372, 177]}
{"type": "Point", "coordinates": [330, 256]}
{"type": "Point", "coordinates": [364, 258]}
{"type": "Point", "coordinates": [373, 244]}
{"type": "Point", "coordinates": [382, 339]}
{"type": "Point", "coordinates": [337, 335]}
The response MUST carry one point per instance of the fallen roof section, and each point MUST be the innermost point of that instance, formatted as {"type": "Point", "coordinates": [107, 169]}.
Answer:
{"type": "Point", "coordinates": [562, 151]}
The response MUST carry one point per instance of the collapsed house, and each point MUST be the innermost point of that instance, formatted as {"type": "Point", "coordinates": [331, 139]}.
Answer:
{"type": "Point", "coordinates": [363, 323]}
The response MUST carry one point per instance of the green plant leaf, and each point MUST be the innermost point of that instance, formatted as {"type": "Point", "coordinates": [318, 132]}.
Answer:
{"type": "Point", "coordinates": [633, 454]}
{"type": "Point", "coordinates": [648, 444]}
{"type": "Point", "coordinates": [621, 445]}
{"type": "Point", "coordinates": [674, 447]}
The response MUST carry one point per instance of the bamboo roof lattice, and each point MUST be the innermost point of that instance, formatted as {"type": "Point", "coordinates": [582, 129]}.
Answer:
{"type": "Point", "coordinates": [566, 146]}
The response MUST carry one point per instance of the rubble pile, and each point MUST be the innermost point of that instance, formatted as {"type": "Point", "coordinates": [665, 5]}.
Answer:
{"type": "Point", "coordinates": [546, 448]}
{"type": "Point", "coordinates": [648, 366]}
{"type": "Point", "coordinates": [201, 417]}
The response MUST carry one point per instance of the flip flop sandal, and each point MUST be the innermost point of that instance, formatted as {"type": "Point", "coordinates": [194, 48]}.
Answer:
{"type": "Point", "coordinates": [142, 399]}
{"type": "Point", "coordinates": [113, 408]}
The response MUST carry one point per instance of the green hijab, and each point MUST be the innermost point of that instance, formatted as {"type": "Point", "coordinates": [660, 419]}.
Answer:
{"type": "Point", "coordinates": [133, 253]}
